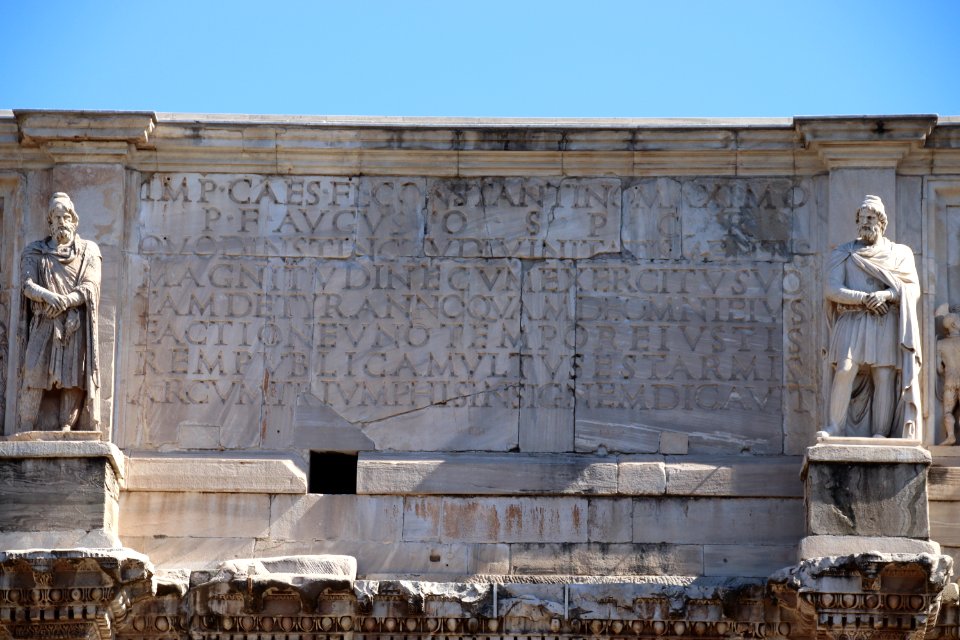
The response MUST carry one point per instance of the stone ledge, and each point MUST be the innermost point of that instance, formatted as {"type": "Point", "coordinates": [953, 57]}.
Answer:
{"type": "Point", "coordinates": [821, 546]}
{"type": "Point", "coordinates": [31, 541]}
{"type": "Point", "coordinates": [19, 449]}
{"type": "Point", "coordinates": [564, 474]}
{"type": "Point", "coordinates": [489, 474]}
{"type": "Point", "coordinates": [41, 125]}
{"type": "Point", "coordinates": [220, 475]}
{"type": "Point", "coordinates": [869, 451]}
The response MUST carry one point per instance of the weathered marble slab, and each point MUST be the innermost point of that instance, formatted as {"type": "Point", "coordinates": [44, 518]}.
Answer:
{"type": "Point", "coordinates": [680, 348]}
{"type": "Point", "coordinates": [523, 217]}
{"type": "Point", "coordinates": [718, 219]}
{"type": "Point", "coordinates": [297, 216]}
{"type": "Point", "coordinates": [867, 490]}
{"type": "Point", "coordinates": [487, 474]}
{"type": "Point", "coordinates": [607, 559]}
{"type": "Point", "coordinates": [66, 492]}
{"type": "Point", "coordinates": [760, 476]}
{"type": "Point", "coordinates": [220, 475]}
{"type": "Point", "coordinates": [383, 352]}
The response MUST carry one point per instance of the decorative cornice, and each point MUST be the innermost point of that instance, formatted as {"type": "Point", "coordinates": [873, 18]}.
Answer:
{"type": "Point", "coordinates": [38, 126]}
{"type": "Point", "coordinates": [84, 136]}
{"type": "Point", "coordinates": [864, 141]}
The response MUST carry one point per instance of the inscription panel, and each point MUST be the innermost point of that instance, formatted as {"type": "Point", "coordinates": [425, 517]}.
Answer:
{"type": "Point", "coordinates": [302, 216]}
{"type": "Point", "coordinates": [413, 353]}
{"type": "Point", "coordinates": [467, 315]}
{"type": "Point", "coordinates": [691, 349]}
{"type": "Point", "coordinates": [422, 353]}
{"type": "Point", "coordinates": [718, 219]}
{"type": "Point", "coordinates": [523, 218]}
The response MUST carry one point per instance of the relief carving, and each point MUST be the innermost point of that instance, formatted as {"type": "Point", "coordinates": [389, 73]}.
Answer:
{"type": "Point", "coordinates": [948, 366]}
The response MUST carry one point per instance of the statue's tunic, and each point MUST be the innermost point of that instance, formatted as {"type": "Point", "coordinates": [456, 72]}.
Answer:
{"type": "Point", "coordinates": [891, 339]}
{"type": "Point", "coordinates": [61, 348]}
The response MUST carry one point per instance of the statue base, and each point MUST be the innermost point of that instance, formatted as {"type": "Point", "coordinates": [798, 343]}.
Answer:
{"type": "Point", "coordinates": [54, 436]}
{"type": "Point", "coordinates": [59, 494]}
{"type": "Point", "coordinates": [866, 494]}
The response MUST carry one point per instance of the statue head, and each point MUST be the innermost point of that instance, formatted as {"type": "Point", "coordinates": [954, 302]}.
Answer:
{"type": "Point", "coordinates": [62, 218]}
{"type": "Point", "coordinates": [951, 324]}
{"type": "Point", "coordinates": [871, 219]}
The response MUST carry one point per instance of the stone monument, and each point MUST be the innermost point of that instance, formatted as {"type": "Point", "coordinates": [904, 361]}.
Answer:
{"type": "Point", "coordinates": [372, 378]}
{"type": "Point", "coordinates": [872, 292]}
{"type": "Point", "coordinates": [60, 275]}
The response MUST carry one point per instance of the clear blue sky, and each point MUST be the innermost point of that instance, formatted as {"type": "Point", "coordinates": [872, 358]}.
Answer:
{"type": "Point", "coordinates": [457, 58]}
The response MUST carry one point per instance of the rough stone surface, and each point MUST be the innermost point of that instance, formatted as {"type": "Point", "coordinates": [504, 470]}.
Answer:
{"type": "Point", "coordinates": [300, 566]}
{"type": "Point", "coordinates": [851, 491]}
{"type": "Point", "coordinates": [641, 476]}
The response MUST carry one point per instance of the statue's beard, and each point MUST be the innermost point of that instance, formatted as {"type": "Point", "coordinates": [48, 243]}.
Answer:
{"type": "Point", "coordinates": [63, 234]}
{"type": "Point", "coordinates": [870, 233]}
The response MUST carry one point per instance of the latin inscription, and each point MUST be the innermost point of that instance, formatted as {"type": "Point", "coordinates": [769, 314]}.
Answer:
{"type": "Point", "coordinates": [303, 216]}
{"type": "Point", "coordinates": [523, 218]}
{"type": "Point", "coordinates": [463, 314]}
{"type": "Point", "coordinates": [655, 342]}
{"type": "Point", "coordinates": [715, 219]}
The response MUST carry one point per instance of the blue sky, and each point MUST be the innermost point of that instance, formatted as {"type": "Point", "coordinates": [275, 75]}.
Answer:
{"type": "Point", "coordinates": [526, 59]}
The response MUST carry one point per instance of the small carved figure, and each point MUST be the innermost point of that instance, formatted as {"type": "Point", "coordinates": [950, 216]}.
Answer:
{"type": "Point", "coordinates": [948, 364]}
{"type": "Point", "coordinates": [872, 291]}
{"type": "Point", "coordinates": [60, 286]}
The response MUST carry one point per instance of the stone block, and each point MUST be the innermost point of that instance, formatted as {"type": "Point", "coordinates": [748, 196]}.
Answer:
{"type": "Point", "coordinates": [488, 474]}
{"type": "Point", "coordinates": [401, 558]}
{"type": "Point", "coordinates": [71, 487]}
{"type": "Point", "coordinates": [717, 520]}
{"type": "Point", "coordinates": [945, 522]}
{"type": "Point", "coordinates": [421, 519]}
{"type": "Point", "coordinates": [100, 538]}
{"type": "Point", "coordinates": [821, 546]}
{"type": "Point", "coordinates": [220, 475]}
{"type": "Point", "coordinates": [606, 559]}
{"type": "Point", "coordinates": [198, 515]}
{"type": "Point", "coordinates": [700, 355]}
{"type": "Point", "coordinates": [514, 520]}
{"type": "Point", "coordinates": [674, 443]}
{"type": "Point", "coordinates": [610, 520]}
{"type": "Point", "coordinates": [641, 476]}
{"type": "Point", "coordinates": [867, 490]}
{"type": "Point", "coordinates": [170, 553]}
{"type": "Point", "coordinates": [547, 395]}
{"type": "Point", "coordinates": [523, 217]}
{"type": "Point", "coordinates": [336, 517]}
{"type": "Point", "coordinates": [315, 567]}
{"type": "Point", "coordinates": [943, 483]}
{"type": "Point", "coordinates": [738, 476]}
{"type": "Point", "coordinates": [747, 561]}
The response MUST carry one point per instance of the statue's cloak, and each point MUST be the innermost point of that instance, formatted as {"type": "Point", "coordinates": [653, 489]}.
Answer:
{"type": "Point", "coordinates": [893, 264]}
{"type": "Point", "coordinates": [41, 361]}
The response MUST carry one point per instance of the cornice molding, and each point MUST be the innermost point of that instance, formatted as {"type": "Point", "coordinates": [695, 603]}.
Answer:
{"type": "Point", "coordinates": [864, 141]}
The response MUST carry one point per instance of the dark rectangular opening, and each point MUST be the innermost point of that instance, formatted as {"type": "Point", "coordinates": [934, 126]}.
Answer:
{"type": "Point", "coordinates": [334, 473]}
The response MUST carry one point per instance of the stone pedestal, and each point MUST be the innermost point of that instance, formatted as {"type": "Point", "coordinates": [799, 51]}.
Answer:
{"type": "Point", "coordinates": [866, 495]}
{"type": "Point", "coordinates": [59, 494]}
